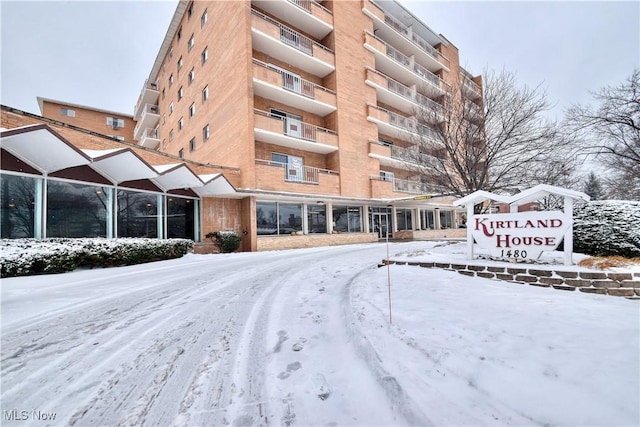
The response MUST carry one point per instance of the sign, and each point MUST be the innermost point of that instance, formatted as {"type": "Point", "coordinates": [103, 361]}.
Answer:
{"type": "Point", "coordinates": [424, 197]}
{"type": "Point", "coordinates": [521, 235]}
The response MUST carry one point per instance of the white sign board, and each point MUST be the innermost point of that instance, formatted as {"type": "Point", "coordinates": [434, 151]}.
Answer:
{"type": "Point", "coordinates": [521, 235]}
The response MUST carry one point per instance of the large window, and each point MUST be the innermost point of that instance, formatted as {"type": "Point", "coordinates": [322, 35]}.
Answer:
{"type": "Point", "coordinates": [180, 218]}
{"type": "Point", "coordinates": [446, 219]}
{"type": "Point", "coordinates": [76, 210]}
{"type": "Point", "coordinates": [427, 221]}
{"type": "Point", "coordinates": [278, 218]}
{"type": "Point", "coordinates": [317, 218]}
{"type": "Point", "coordinates": [403, 219]}
{"type": "Point", "coordinates": [18, 206]}
{"type": "Point", "coordinates": [347, 219]}
{"type": "Point", "coordinates": [138, 214]}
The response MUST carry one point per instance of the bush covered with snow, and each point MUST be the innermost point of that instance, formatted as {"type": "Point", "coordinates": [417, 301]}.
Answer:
{"type": "Point", "coordinates": [25, 257]}
{"type": "Point", "coordinates": [607, 227]}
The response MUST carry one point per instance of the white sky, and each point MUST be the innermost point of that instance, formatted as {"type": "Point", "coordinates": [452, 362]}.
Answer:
{"type": "Point", "coordinates": [98, 53]}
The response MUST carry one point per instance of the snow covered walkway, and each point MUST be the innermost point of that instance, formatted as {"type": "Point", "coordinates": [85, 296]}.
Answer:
{"type": "Point", "coordinates": [302, 338]}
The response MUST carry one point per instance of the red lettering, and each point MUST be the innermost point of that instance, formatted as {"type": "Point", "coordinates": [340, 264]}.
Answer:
{"type": "Point", "coordinates": [549, 241]}
{"type": "Point", "coordinates": [500, 239]}
{"type": "Point", "coordinates": [556, 223]}
{"type": "Point", "coordinates": [485, 230]}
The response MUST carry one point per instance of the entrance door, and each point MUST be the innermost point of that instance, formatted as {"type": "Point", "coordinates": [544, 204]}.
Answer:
{"type": "Point", "coordinates": [380, 223]}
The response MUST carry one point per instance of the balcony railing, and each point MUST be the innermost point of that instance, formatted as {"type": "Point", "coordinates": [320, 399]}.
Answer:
{"type": "Point", "coordinates": [406, 154]}
{"type": "Point", "coordinates": [291, 37]}
{"type": "Point", "coordinates": [297, 128]}
{"type": "Point", "coordinates": [298, 173]}
{"type": "Point", "coordinates": [410, 94]}
{"type": "Point", "coordinates": [293, 82]}
{"type": "Point", "coordinates": [411, 65]}
{"type": "Point", "coordinates": [408, 34]}
{"type": "Point", "coordinates": [150, 133]}
{"type": "Point", "coordinates": [409, 124]}
{"type": "Point", "coordinates": [306, 5]}
{"type": "Point", "coordinates": [411, 187]}
{"type": "Point", "coordinates": [470, 85]}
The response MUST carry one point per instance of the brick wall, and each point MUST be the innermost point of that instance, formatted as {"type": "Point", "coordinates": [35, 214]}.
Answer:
{"type": "Point", "coordinates": [268, 243]}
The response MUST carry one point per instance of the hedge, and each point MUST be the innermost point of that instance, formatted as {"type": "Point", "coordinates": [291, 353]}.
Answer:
{"type": "Point", "coordinates": [26, 257]}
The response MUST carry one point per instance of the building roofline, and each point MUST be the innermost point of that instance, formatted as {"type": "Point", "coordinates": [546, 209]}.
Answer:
{"type": "Point", "coordinates": [396, 3]}
{"type": "Point", "coordinates": [85, 107]}
{"type": "Point", "coordinates": [168, 38]}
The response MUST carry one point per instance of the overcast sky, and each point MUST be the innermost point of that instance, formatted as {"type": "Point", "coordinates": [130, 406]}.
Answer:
{"type": "Point", "coordinates": [99, 53]}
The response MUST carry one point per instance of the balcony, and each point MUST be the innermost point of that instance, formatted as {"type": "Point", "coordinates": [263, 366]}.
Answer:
{"type": "Point", "coordinates": [272, 82]}
{"type": "Point", "coordinates": [316, 19]}
{"type": "Point", "coordinates": [148, 95]}
{"type": "Point", "coordinates": [149, 119]}
{"type": "Point", "coordinates": [403, 98]}
{"type": "Point", "coordinates": [401, 127]}
{"type": "Point", "coordinates": [406, 38]}
{"type": "Point", "coordinates": [408, 158]}
{"type": "Point", "coordinates": [293, 133]}
{"type": "Point", "coordinates": [396, 64]}
{"type": "Point", "coordinates": [289, 46]}
{"type": "Point", "coordinates": [470, 88]}
{"type": "Point", "coordinates": [150, 138]}
{"type": "Point", "coordinates": [386, 187]}
{"type": "Point", "coordinates": [289, 177]}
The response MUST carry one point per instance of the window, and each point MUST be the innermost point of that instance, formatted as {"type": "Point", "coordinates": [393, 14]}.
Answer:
{"type": "Point", "coordinates": [427, 221]}
{"type": "Point", "coordinates": [180, 123]}
{"type": "Point", "coordinates": [205, 94]}
{"type": "Point", "coordinates": [76, 210]}
{"type": "Point", "coordinates": [164, 119]}
{"type": "Point", "coordinates": [67, 112]}
{"type": "Point", "coordinates": [180, 93]}
{"type": "Point", "coordinates": [191, 42]}
{"type": "Point", "coordinates": [446, 219]}
{"type": "Point", "coordinates": [347, 219]}
{"type": "Point", "coordinates": [192, 144]}
{"type": "Point", "coordinates": [18, 214]}
{"type": "Point", "coordinates": [162, 93]}
{"type": "Point", "coordinates": [386, 176]}
{"type": "Point", "coordinates": [171, 108]}
{"type": "Point", "coordinates": [192, 75]}
{"type": "Point", "coordinates": [278, 218]}
{"type": "Point", "coordinates": [181, 215]}
{"type": "Point", "coordinates": [171, 134]}
{"type": "Point", "coordinates": [190, 11]}
{"type": "Point", "coordinates": [171, 53]}
{"type": "Point", "coordinates": [118, 137]}
{"type": "Point", "coordinates": [181, 153]}
{"type": "Point", "coordinates": [203, 18]}
{"type": "Point", "coordinates": [115, 123]}
{"type": "Point", "coordinates": [192, 110]}
{"type": "Point", "coordinates": [164, 143]}
{"type": "Point", "coordinates": [404, 219]}
{"type": "Point", "coordinates": [179, 63]}
{"type": "Point", "coordinates": [204, 55]}
{"type": "Point", "coordinates": [138, 214]}
{"type": "Point", "coordinates": [179, 33]}
{"type": "Point", "coordinates": [205, 133]}
{"type": "Point", "coordinates": [317, 218]}
{"type": "Point", "coordinates": [170, 79]}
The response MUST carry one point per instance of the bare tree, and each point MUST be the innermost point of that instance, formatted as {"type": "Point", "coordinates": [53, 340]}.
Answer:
{"type": "Point", "coordinates": [499, 141]}
{"type": "Point", "coordinates": [611, 131]}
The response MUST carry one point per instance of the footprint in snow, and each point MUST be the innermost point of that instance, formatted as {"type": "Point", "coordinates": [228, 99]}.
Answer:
{"type": "Point", "coordinates": [282, 337]}
{"type": "Point", "coordinates": [291, 367]}
{"type": "Point", "coordinates": [322, 387]}
{"type": "Point", "coordinates": [299, 345]}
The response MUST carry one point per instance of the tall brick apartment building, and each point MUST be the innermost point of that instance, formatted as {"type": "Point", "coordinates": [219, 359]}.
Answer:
{"type": "Point", "coordinates": [312, 105]}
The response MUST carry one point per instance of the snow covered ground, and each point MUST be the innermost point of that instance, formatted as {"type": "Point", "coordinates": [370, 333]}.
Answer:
{"type": "Point", "coordinates": [303, 338]}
